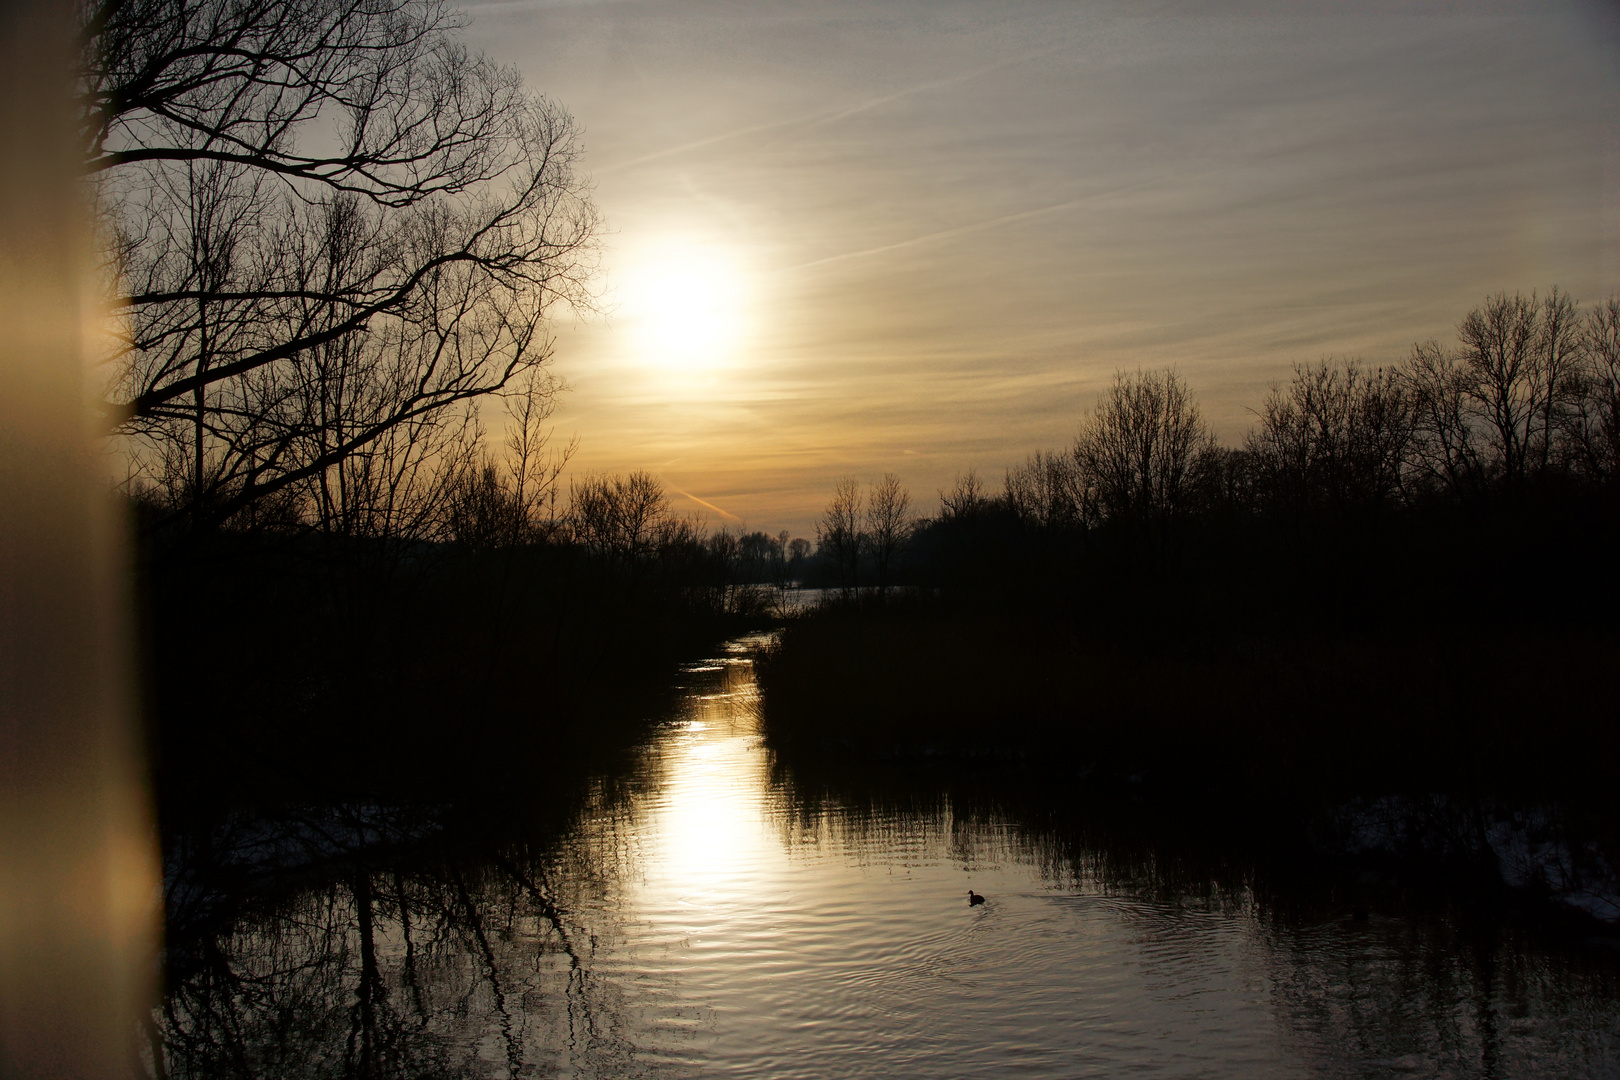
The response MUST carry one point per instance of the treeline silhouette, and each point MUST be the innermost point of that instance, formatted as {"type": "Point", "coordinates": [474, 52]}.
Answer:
{"type": "Point", "coordinates": [1401, 582]}
{"type": "Point", "coordinates": [464, 642]}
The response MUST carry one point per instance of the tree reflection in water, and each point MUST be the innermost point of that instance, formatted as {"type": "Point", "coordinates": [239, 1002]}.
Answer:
{"type": "Point", "coordinates": [364, 943]}
{"type": "Point", "coordinates": [372, 958]}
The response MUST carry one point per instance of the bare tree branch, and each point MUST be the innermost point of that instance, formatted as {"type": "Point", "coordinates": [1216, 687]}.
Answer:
{"type": "Point", "coordinates": [326, 221]}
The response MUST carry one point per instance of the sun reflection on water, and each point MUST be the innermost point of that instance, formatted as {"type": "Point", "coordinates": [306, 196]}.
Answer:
{"type": "Point", "coordinates": [708, 819]}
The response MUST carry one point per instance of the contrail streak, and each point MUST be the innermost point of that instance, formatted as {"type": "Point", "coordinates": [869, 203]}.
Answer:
{"type": "Point", "coordinates": [817, 119]}
{"type": "Point", "coordinates": [934, 84]}
{"type": "Point", "coordinates": [710, 505]}
{"type": "Point", "coordinates": [709, 141]}
{"type": "Point", "coordinates": [926, 238]}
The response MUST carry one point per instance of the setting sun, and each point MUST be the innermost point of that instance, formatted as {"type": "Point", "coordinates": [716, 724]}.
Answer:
{"type": "Point", "coordinates": [686, 305]}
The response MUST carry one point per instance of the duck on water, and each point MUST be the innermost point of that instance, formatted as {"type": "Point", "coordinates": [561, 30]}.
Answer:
{"type": "Point", "coordinates": [974, 898]}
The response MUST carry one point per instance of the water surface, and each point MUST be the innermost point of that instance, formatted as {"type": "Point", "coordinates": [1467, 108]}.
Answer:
{"type": "Point", "coordinates": [703, 918]}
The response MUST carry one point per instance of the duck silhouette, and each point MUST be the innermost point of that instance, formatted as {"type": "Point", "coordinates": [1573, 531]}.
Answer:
{"type": "Point", "coordinates": [974, 898]}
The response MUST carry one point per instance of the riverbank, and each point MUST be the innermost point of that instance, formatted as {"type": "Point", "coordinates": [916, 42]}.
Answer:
{"type": "Point", "coordinates": [446, 681]}
{"type": "Point", "coordinates": [1402, 752]}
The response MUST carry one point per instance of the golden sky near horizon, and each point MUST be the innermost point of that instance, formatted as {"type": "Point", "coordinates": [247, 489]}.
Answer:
{"type": "Point", "coordinates": [857, 238]}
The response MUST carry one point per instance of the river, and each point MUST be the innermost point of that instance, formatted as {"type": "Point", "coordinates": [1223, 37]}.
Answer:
{"type": "Point", "coordinates": [703, 916]}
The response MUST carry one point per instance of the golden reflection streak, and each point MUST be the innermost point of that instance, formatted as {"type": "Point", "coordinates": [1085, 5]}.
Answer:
{"type": "Point", "coordinates": [708, 814]}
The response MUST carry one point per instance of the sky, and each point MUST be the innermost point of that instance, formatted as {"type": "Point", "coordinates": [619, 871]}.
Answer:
{"type": "Point", "coordinates": [846, 239]}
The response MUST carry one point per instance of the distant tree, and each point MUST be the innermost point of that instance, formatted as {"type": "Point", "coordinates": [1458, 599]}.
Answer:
{"type": "Point", "coordinates": [410, 483]}
{"type": "Point", "coordinates": [966, 499]}
{"type": "Point", "coordinates": [798, 555]}
{"type": "Point", "coordinates": [1492, 411]}
{"type": "Point", "coordinates": [1594, 425]}
{"type": "Point", "coordinates": [763, 557]}
{"type": "Point", "coordinates": [1446, 448]}
{"type": "Point", "coordinates": [726, 566]}
{"type": "Point", "coordinates": [781, 575]}
{"type": "Point", "coordinates": [888, 525]}
{"type": "Point", "coordinates": [1336, 436]}
{"type": "Point", "coordinates": [1227, 485]}
{"type": "Point", "coordinates": [483, 511]}
{"type": "Point", "coordinates": [535, 464]}
{"type": "Point", "coordinates": [1047, 491]}
{"type": "Point", "coordinates": [1139, 450]}
{"type": "Point", "coordinates": [622, 519]}
{"type": "Point", "coordinates": [431, 479]}
{"type": "Point", "coordinates": [326, 224]}
{"type": "Point", "coordinates": [965, 523]}
{"type": "Point", "coordinates": [838, 533]}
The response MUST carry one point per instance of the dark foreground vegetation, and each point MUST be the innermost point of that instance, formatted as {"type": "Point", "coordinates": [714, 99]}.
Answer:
{"type": "Point", "coordinates": [292, 667]}
{"type": "Point", "coordinates": [1384, 622]}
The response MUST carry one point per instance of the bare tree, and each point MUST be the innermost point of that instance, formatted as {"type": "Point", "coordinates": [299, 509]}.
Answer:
{"type": "Point", "coordinates": [620, 518]}
{"type": "Point", "coordinates": [762, 557]}
{"type": "Point", "coordinates": [1520, 357]}
{"type": "Point", "coordinates": [536, 465]}
{"type": "Point", "coordinates": [780, 548]}
{"type": "Point", "coordinates": [1445, 446]}
{"type": "Point", "coordinates": [1047, 491]}
{"type": "Point", "coordinates": [1493, 411]}
{"type": "Point", "coordinates": [401, 486]}
{"type": "Point", "coordinates": [325, 221]}
{"type": "Point", "coordinates": [798, 551]}
{"type": "Point", "coordinates": [1336, 435]}
{"type": "Point", "coordinates": [965, 526]}
{"type": "Point", "coordinates": [1595, 422]}
{"type": "Point", "coordinates": [888, 525]}
{"type": "Point", "coordinates": [1140, 447]}
{"type": "Point", "coordinates": [838, 533]}
{"type": "Point", "coordinates": [966, 499]}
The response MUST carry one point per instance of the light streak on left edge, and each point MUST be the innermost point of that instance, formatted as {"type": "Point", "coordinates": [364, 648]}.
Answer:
{"type": "Point", "coordinates": [78, 867]}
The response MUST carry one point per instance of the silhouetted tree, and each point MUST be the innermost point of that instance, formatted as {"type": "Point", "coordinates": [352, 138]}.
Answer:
{"type": "Point", "coordinates": [401, 487]}
{"type": "Point", "coordinates": [1595, 423]}
{"type": "Point", "coordinates": [762, 558]}
{"type": "Point", "coordinates": [838, 533]}
{"type": "Point", "coordinates": [536, 466]}
{"type": "Point", "coordinates": [1047, 491]}
{"type": "Point", "coordinates": [326, 222]}
{"type": "Point", "coordinates": [798, 555]}
{"type": "Point", "coordinates": [621, 519]}
{"type": "Point", "coordinates": [1336, 436]}
{"type": "Point", "coordinates": [1139, 449]}
{"type": "Point", "coordinates": [1227, 482]}
{"type": "Point", "coordinates": [962, 532]}
{"type": "Point", "coordinates": [780, 554]}
{"type": "Point", "coordinates": [888, 525]}
{"type": "Point", "coordinates": [1490, 413]}
{"type": "Point", "coordinates": [966, 499]}
{"type": "Point", "coordinates": [483, 511]}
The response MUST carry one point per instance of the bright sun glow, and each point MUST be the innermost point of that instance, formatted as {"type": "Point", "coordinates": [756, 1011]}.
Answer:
{"type": "Point", "coordinates": [686, 304]}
